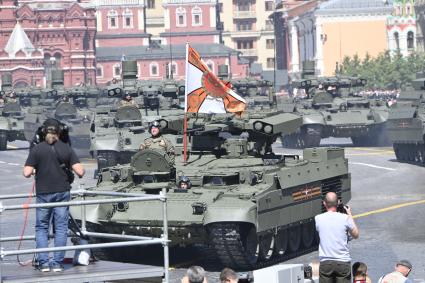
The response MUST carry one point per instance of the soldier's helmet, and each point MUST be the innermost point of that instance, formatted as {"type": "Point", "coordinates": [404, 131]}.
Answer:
{"type": "Point", "coordinates": [155, 124]}
{"type": "Point", "coordinates": [186, 180]}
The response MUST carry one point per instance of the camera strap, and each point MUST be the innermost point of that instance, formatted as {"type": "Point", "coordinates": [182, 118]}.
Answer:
{"type": "Point", "coordinates": [61, 163]}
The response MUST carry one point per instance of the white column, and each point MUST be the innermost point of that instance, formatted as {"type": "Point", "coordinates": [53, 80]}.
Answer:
{"type": "Point", "coordinates": [403, 43]}
{"type": "Point", "coordinates": [319, 47]}
{"type": "Point", "coordinates": [99, 20]}
{"type": "Point", "coordinates": [295, 56]}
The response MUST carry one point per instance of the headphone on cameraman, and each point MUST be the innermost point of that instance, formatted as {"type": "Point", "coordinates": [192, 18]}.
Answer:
{"type": "Point", "coordinates": [60, 129]}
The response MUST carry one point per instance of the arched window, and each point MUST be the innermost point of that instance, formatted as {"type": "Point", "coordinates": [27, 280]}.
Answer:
{"type": "Point", "coordinates": [117, 70]}
{"type": "Point", "coordinates": [181, 17]}
{"type": "Point", "coordinates": [210, 65]}
{"type": "Point", "coordinates": [58, 60]}
{"type": "Point", "coordinates": [196, 16]}
{"type": "Point", "coordinates": [410, 40]}
{"type": "Point", "coordinates": [154, 69]}
{"type": "Point", "coordinates": [112, 19]}
{"type": "Point", "coordinates": [127, 17]}
{"type": "Point", "coordinates": [397, 40]}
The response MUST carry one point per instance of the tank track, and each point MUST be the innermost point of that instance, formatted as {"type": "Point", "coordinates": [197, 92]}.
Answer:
{"type": "Point", "coordinates": [410, 153]}
{"type": "Point", "coordinates": [226, 240]}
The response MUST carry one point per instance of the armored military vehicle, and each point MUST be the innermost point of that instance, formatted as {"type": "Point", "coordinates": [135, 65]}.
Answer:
{"type": "Point", "coordinates": [405, 124]}
{"type": "Point", "coordinates": [249, 205]}
{"type": "Point", "coordinates": [329, 109]}
{"type": "Point", "coordinates": [11, 124]}
{"type": "Point", "coordinates": [68, 114]}
{"type": "Point", "coordinates": [258, 93]}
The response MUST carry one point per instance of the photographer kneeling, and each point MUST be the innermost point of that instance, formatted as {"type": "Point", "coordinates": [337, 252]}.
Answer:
{"type": "Point", "coordinates": [333, 228]}
{"type": "Point", "coordinates": [52, 160]}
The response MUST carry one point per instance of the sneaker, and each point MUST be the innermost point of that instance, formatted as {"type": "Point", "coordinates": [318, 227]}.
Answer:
{"type": "Point", "coordinates": [57, 267]}
{"type": "Point", "coordinates": [44, 267]}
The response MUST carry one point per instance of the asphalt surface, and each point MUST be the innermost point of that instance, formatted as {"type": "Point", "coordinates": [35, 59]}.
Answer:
{"type": "Point", "coordinates": [378, 182]}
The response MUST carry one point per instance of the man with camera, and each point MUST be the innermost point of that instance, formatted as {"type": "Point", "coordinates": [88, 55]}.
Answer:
{"type": "Point", "coordinates": [334, 227]}
{"type": "Point", "coordinates": [52, 160]}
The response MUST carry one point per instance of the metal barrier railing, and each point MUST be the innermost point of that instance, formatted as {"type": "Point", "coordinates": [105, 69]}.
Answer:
{"type": "Point", "coordinates": [129, 240]}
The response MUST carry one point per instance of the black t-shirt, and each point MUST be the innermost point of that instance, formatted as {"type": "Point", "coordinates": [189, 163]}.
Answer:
{"type": "Point", "coordinates": [49, 176]}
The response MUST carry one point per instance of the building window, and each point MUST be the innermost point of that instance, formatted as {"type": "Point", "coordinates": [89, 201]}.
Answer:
{"type": "Point", "coordinates": [151, 4]}
{"type": "Point", "coordinates": [112, 19]}
{"type": "Point", "coordinates": [408, 10]}
{"type": "Point", "coordinates": [245, 44]}
{"type": "Point", "coordinates": [127, 18]}
{"type": "Point", "coordinates": [181, 17]}
{"type": "Point", "coordinates": [244, 25]}
{"type": "Point", "coordinates": [270, 62]}
{"type": "Point", "coordinates": [269, 6]}
{"type": "Point", "coordinates": [153, 69]}
{"type": "Point", "coordinates": [270, 43]}
{"type": "Point", "coordinates": [196, 16]}
{"type": "Point", "coordinates": [410, 40]}
{"type": "Point", "coordinates": [117, 71]}
{"type": "Point", "coordinates": [99, 71]}
{"type": "Point", "coordinates": [397, 40]}
{"type": "Point", "coordinates": [269, 25]}
{"type": "Point", "coordinates": [244, 5]}
{"type": "Point", "coordinates": [220, 7]}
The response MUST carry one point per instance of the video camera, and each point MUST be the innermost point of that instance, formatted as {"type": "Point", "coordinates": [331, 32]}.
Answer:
{"type": "Point", "coordinates": [341, 207]}
{"type": "Point", "coordinates": [51, 125]}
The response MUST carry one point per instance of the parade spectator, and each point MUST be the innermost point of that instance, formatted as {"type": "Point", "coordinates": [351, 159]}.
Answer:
{"type": "Point", "coordinates": [194, 274]}
{"type": "Point", "coordinates": [399, 275]}
{"type": "Point", "coordinates": [228, 275]}
{"type": "Point", "coordinates": [52, 185]}
{"type": "Point", "coordinates": [360, 273]}
{"type": "Point", "coordinates": [333, 228]}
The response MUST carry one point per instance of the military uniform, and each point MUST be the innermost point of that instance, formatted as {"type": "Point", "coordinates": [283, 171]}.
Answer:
{"type": "Point", "coordinates": [159, 142]}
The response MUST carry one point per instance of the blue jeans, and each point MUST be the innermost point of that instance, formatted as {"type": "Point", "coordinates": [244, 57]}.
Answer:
{"type": "Point", "coordinates": [59, 216]}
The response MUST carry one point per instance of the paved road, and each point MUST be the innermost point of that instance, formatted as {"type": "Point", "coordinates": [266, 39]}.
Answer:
{"type": "Point", "coordinates": [378, 181]}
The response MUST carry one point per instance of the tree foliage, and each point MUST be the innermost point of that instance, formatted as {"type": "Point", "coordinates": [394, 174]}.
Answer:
{"type": "Point", "coordinates": [386, 71]}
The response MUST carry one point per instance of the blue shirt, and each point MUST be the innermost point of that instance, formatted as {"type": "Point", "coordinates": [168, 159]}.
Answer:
{"type": "Point", "coordinates": [332, 228]}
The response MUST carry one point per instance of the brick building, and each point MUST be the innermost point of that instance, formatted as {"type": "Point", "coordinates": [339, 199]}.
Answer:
{"type": "Point", "coordinates": [401, 27]}
{"type": "Point", "coordinates": [38, 36]}
{"type": "Point", "coordinates": [192, 21]}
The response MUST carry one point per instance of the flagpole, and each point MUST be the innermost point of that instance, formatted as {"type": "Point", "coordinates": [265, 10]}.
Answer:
{"type": "Point", "coordinates": [185, 107]}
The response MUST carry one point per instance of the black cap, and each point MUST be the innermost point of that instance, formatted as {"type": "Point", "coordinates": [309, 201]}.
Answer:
{"type": "Point", "coordinates": [52, 126]}
{"type": "Point", "coordinates": [405, 263]}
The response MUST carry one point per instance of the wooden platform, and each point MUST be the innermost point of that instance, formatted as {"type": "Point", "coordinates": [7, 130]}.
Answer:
{"type": "Point", "coordinates": [95, 272]}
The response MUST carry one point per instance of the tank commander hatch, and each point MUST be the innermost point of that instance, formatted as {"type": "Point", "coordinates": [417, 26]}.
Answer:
{"type": "Point", "coordinates": [127, 100]}
{"type": "Point", "coordinates": [158, 141]}
{"type": "Point", "coordinates": [184, 185]}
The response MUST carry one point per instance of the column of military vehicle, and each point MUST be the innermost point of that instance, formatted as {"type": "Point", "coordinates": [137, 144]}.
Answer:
{"type": "Point", "coordinates": [250, 205]}
{"type": "Point", "coordinates": [406, 124]}
{"type": "Point", "coordinates": [11, 115]}
{"type": "Point", "coordinates": [330, 109]}
{"type": "Point", "coordinates": [117, 132]}
{"type": "Point", "coordinates": [69, 106]}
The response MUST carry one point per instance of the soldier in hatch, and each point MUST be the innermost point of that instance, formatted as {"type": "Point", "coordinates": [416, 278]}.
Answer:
{"type": "Point", "coordinates": [127, 100]}
{"type": "Point", "coordinates": [158, 141]}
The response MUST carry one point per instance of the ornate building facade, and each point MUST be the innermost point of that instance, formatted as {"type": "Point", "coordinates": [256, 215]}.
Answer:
{"type": "Point", "coordinates": [38, 36]}
{"type": "Point", "coordinates": [401, 27]}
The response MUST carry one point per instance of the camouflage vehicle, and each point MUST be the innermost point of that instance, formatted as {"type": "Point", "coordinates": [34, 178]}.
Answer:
{"type": "Point", "coordinates": [258, 93]}
{"type": "Point", "coordinates": [67, 113]}
{"type": "Point", "coordinates": [11, 124]}
{"type": "Point", "coordinates": [405, 124]}
{"type": "Point", "coordinates": [330, 109]}
{"type": "Point", "coordinates": [249, 205]}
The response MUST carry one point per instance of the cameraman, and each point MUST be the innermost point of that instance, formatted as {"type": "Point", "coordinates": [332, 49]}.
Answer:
{"type": "Point", "coordinates": [333, 228]}
{"type": "Point", "coordinates": [52, 185]}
